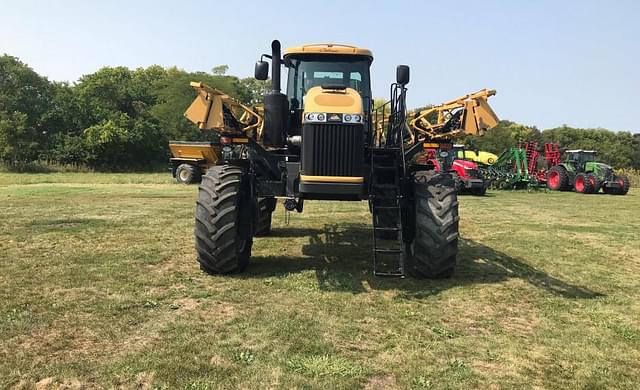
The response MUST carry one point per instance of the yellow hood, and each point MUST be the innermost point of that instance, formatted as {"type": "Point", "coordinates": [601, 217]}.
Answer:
{"type": "Point", "coordinates": [343, 101]}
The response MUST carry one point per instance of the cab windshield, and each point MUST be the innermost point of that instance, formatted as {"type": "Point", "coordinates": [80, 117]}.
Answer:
{"type": "Point", "coordinates": [583, 156]}
{"type": "Point", "coordinates": [322, 70]}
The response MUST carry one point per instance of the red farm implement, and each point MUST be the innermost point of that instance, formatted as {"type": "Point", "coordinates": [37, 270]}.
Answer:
{"type": "Point", "coordinates": [537, 164]}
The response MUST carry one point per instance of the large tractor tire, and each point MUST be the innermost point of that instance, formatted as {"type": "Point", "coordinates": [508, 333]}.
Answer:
{"type": "Point", "coordinates": [581, 184]}
{"type": "Point", "coordinates": [187, 174]}
{"type": "Point", "coordinates": [224, 216]}
{"type": "Point", "coordinates": [265, 210]}
{"type": "Point", "coordinates": [623, 180]}
{"type": "Point", "coordinates": [434, 247]}
{"type": "Point", "coordinates": [558, 179]}
{"type": "Point", "coordinates": [594, 183]}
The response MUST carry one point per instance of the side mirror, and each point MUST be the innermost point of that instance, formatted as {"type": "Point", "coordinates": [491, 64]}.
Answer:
{"type": "Point", "coordinates": [262, 70]}
{"type": "Point", "coordinates": [402, 74]}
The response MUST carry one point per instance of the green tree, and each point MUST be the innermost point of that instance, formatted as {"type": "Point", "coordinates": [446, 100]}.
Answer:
{"type": "Point", "coordinates": [252, 91]}
{"type": "Point", "coordinates": [24, 98]}
{"type": "Point", "coordinates": [119, 128]}
{"type": "Point", "coordinates": [17, 139]}
{"type": "Point", "coordinates": [220, 70]}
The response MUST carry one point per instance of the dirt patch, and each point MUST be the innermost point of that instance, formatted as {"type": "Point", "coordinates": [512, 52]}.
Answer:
{"type": "Point", "coordinates": [70, 384]}
{"type": "Point", "coordinates": [219, 311]}
{"type": "Point", "coordinates": [218, 361]}
{"type": "Point", "coordinates": [184, 305]}
{"type": "Point", "coordinates": [40, 339]}
{"type": "Point", "coordinates": [381, 382]}
{"type": "Point", "coordinates": [494, 369]}
{"type": "Point", "coordinates": [144, 380]}
{"type": "Point", "coordinates": [44, 383]}
{"type": "Point", "coordinates": [519, 326]}
{"type": "Point", "coordinates": [180, 262]}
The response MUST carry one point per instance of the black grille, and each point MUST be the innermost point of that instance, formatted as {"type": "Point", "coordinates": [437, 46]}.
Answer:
{"type": "Point", "coordinates": [332, 150]}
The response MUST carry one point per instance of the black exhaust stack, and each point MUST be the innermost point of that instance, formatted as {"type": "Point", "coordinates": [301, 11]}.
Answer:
{"type": "Point", "coordinates": [276, 62]}
{"type": "Point", "coordinates": [276, 105]}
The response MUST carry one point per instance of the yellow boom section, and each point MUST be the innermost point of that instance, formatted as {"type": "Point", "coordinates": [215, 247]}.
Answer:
{"type": "Point", "coordinates": [214, 110]}
{"type": "Point", "coordinates": [471, 114]}
{"type": "Point", "coordinates": [198, 152]}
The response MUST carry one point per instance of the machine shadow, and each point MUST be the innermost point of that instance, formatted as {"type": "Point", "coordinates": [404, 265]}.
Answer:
{"type": "Point", "coordinates": [341, 257]}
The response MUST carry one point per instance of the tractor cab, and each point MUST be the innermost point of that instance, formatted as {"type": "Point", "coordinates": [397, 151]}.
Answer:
{"type": "Point", "coordinates": [330, 67]}
{"type": "Point", "coordinates": [322, 120]}
{"type": "Point", "coordinates": [579, 158]}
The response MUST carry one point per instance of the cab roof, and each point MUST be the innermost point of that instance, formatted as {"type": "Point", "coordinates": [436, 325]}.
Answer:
{"type": "Point", "coordinates": [328, 48]}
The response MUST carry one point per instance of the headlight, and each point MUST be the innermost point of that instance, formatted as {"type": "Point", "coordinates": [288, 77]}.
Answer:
{"type": "Point", "coordinates": [349, 118]}
{"type": "Point", "coordinates": [322, 117]}
{"type": "Point", "coordinates": [315, 117]}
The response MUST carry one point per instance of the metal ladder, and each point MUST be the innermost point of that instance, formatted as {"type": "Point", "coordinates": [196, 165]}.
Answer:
{"type": "Point", "coordinates": [386, 197]}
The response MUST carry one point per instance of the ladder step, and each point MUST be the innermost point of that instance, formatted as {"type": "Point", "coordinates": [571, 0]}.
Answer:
{"type": "Point", "coordinates": [397, 273]}
{"type": "Point", "coordinates": [388, 250]}
{"type": "Point", "coordinates": [386, 207]}
{"type": "Point", "coordinates": [384, 149]}
{"type": "Point", "coordinates": [386, 229]}
{"type": "Point", "coordinates": [385, 167]}
{"type": "Point", "coordinates": [386, 186]}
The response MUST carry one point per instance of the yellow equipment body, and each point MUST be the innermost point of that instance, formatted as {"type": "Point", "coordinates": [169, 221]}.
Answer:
{"type": "Point", "coordinates": [328, 48]}
{"type": "Point", "coordinates": [215, 110]}
{"type": "Point", "coordinates": [202, 153]}
{"type": "Point", "coordinates": [476, 116]}
{"type": "Point", "coordinates": [482, 157]}
{"type": "Point", "coordinates": [339, 101]}
{"type": "Point", "coordinates": [190, 160]}
{"type": "Point", "coordinates": [323, 139]}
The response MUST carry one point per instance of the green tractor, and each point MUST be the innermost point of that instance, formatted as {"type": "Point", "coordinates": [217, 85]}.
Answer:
{"type": "Point", "coordinates": [580, 171]}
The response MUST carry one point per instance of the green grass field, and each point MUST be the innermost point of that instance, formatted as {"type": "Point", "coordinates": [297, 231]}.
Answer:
{"type": "Point", "coordinates": [99, 287]}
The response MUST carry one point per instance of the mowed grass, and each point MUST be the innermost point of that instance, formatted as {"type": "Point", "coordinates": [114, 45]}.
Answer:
{"type": "Point", "coordinates": [99, 287]}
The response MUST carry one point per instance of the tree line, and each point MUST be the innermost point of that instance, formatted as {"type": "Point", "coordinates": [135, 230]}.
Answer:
{"type": "Point", "coordinates": [118, 118]}
{"type": "Point", "coordinates": [115, 118]}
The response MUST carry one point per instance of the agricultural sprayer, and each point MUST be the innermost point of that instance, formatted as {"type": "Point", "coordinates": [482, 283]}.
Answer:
{"type": "Point", "coordinates": [323, 140]}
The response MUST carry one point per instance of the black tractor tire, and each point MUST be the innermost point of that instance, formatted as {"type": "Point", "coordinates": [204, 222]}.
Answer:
{"type": "Point", "coordinates": [434, 248]}
{"type": "Point", "coordinates": [594, 182]}
{"type": "Point", "coordinates": [624, 184]}
{"type": "Point", "coordinates": [224, 217]}
{"type": "Point", "coordinates": [581, 184]}
{"type": "Point", "coordinates": [263, 218]}
{"type": "Point", "coordinates": [188, 174]}
{"type": "Point", "coordinates": [562, 182]}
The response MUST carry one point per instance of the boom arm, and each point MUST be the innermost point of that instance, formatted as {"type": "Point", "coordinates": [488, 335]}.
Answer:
{"type": "Point", "coordinates": [215, 110]}
{"type": "Point", "coordinates": [470, 114]}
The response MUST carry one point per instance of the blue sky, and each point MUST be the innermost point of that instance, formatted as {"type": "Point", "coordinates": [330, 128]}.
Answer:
{"type": "Point", "coordinates": [552, 62]}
